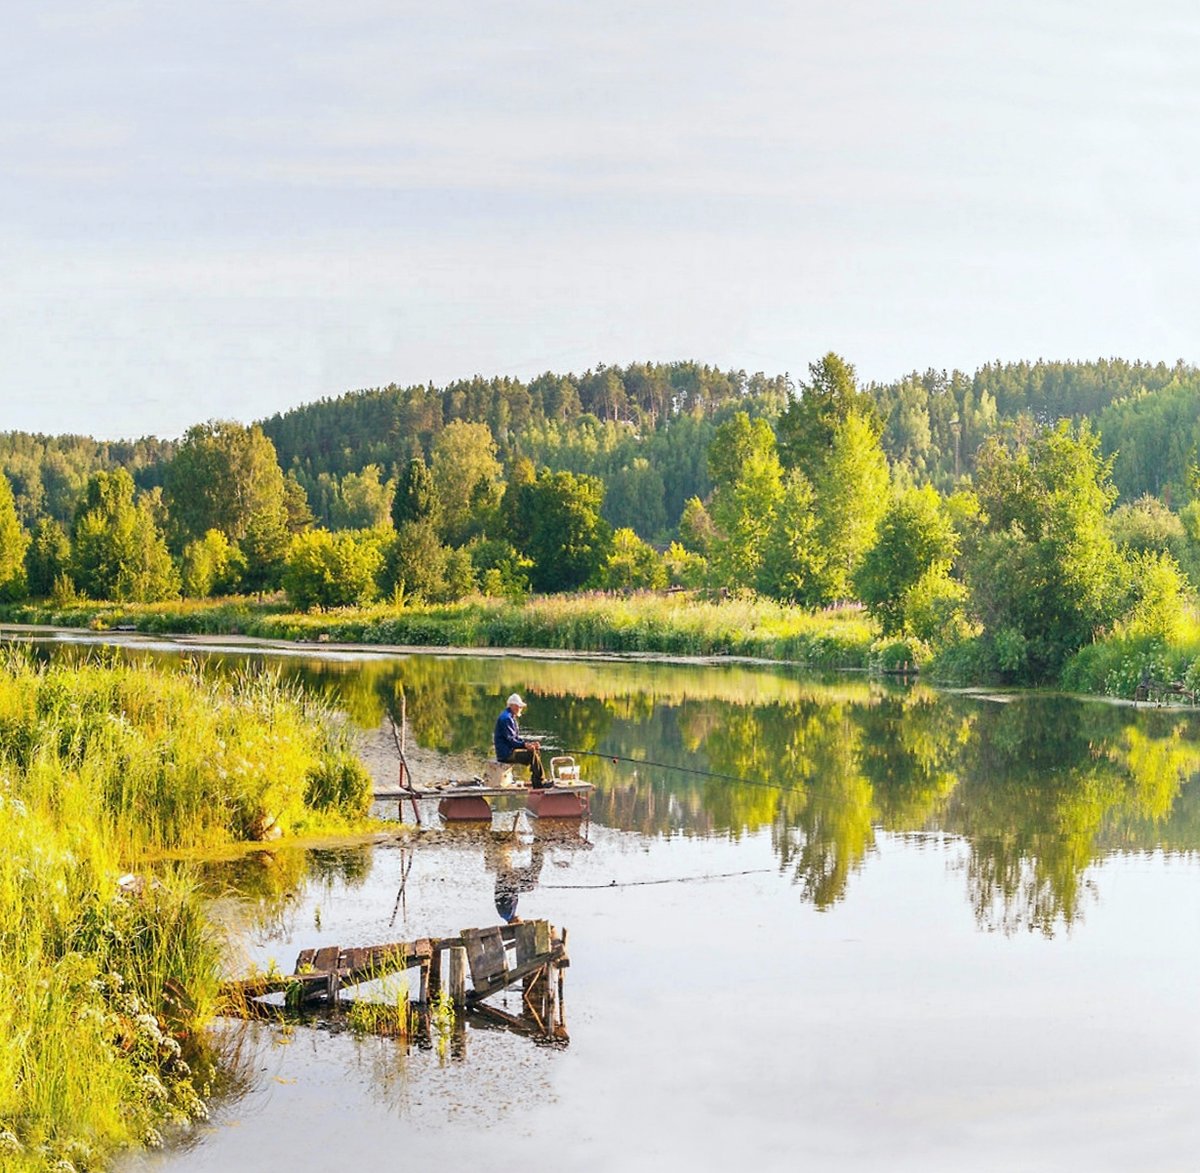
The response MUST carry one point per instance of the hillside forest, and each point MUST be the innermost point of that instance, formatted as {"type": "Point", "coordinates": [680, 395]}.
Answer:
{"type": "Point", "coordinates": [993, 523]}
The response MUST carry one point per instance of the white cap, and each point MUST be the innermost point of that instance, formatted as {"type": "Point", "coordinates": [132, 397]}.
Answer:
{"type": "Point", "coordinates": [515, 699]}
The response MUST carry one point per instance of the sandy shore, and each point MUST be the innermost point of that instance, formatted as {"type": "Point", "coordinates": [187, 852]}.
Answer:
{"type": "Point", "coordinates": [377, 749]}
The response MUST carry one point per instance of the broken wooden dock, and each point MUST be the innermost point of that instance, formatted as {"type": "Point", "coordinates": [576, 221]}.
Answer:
{"type": "Point", "coordinates": [532, 953]}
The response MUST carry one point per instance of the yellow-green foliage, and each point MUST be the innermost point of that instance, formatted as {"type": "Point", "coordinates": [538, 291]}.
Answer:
{"type": "Point", "coordinates": [97, 991]}
{"type": "Point", "coordinates": [104, 982]}
{"type": "Point", "coordinates": [171, 759]}
{"type": "Point", "coordinates": [679, 624]}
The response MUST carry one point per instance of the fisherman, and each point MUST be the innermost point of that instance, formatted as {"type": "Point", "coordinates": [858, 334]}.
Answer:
{"type": "Point", "coordinates": [512, 747]}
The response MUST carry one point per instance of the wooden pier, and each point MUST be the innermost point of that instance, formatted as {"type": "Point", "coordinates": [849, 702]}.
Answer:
{"type": "Point", "coordinates": [470, 801]}
{"type": "Point", "coordinates": [532, 953]}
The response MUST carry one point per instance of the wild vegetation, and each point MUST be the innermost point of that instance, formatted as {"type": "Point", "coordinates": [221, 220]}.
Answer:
{"type": "Point", "coordinates": [992, 525]}
{"type": "Point", "coordinates": [671, 625]}
{"type": "Point", "coordinates": [109, 968]}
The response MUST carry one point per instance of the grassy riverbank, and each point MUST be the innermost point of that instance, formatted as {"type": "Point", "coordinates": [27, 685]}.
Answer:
{"type": "Point", "coordinates": [107, 973]}
{"type": "Point", "coordinates": [668, 625]}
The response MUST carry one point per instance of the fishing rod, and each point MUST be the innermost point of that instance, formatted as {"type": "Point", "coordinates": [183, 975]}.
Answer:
{"type": "Point", "coordinates": [655, 883]}
{"type": "Point", "coordinates": [616, 757]}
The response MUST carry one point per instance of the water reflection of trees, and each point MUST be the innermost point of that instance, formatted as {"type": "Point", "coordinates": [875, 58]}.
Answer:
{"type": "Point", "coordinates": [1039, 788]}
{"type": "Point", "coordinates": [265, 886]}
{"type": "Point", "coordinates": [1048, 786]}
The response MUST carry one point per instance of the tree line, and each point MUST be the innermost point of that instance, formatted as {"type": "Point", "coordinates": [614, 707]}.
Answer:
{"type": "Point", "coordinates": [1011, 513]}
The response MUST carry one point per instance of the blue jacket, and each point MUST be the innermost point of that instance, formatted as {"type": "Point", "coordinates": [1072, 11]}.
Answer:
{"type": "Point", "coordinates": [507, 736]}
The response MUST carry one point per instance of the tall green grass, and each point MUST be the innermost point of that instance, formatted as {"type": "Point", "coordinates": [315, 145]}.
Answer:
{"type": "Point", "coordinates": [643, 622]}
{"type": "Point", "coordinates": [107, 972]}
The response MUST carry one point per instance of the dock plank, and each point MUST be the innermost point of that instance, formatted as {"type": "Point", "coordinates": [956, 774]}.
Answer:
{"type": "Point", "coordinates": [485, 955]}
{"type": "Point", "coordinates": [487, 989]}
{"type": "Point", "coordinates": [326, 959]}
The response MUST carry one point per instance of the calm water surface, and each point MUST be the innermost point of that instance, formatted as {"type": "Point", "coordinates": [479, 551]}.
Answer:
{"type": "Point", "coordinates": [928, 932]}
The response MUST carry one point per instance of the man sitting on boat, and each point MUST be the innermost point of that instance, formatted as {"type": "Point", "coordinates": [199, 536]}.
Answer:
{"type": "Point", "coordinates": [511, 747]}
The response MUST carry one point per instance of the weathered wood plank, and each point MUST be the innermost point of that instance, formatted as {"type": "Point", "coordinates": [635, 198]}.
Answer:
{"type": "Point", "coordinates": [305, 960]}
{"type": "Point", "coordinates": [354, 959]}
{"type": "Point", "coordinates": [326, 958]}
{"type": "Point", "coordinates": [526, 940]}
{"type": "Point", "coordinates": [485, 954]}
{"type": "Point", "coordinates": [487, 989]}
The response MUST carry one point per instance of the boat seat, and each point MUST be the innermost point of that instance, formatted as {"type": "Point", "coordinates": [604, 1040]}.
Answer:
{"type": "Point", "coordinates": [498, 774]}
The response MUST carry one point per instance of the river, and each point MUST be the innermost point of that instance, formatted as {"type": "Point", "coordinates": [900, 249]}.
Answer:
{"type": "Point", "coordinates": [924, 931]}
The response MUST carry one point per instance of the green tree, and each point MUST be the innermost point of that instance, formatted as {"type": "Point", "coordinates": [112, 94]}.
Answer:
{"type": "Point", "coordinates": [1148, 525]}
{"type": "Point", "coordinates": [807, 426]}
{"type": "Point", "coordinates": [934, 608]}
{"type": "Point", "coordinates": [224, 476]}
{"type": "Point", "coordinates": [696, 529]}
{"type": "Point", "coordinates": [684, 567]}
{"type": "Point", "coordinates": [1158, 588]}
{"type": "Point", "coordinates": [419, 566]}
{"type": "Point", "coordinates": [414, 499]}
{"type": "Point", "coordinates": [1046, 572]}
{"type": "Point", "coordinates": [634, 498]}
{"type": "Point", "coordinates": [364, 500]}
{"type": "Point", "coordinates": [265, 548]}
{"type": "Point", "coordinates": [326, 569]}
{"type": "Point", "coordinates": [851, 496]}
{"type": "Point", "coordinates": [744, 466]}
{"type": "Point", "coordinates": [48, 558]}
{"type": "Point", "coordinates": [212, 565]}
{"type": "Point", "coordinates": [914, 533]}
{"type": "Point", "coordinates": [14, 541]}
{"type": "Point", "coordinates": [632, 564]}
{"type": "Point", "coordinates": [568, 540]}
{"type": "Point", "coordinates": [464, 458]}
{"type": "Point", "coordinates": [295, 504]}
{"type": "Point", "coordinates": [792, 562]}
{"type": "Point", "coordinates": [515, 503]}
{"type": "Point", "coordinates": [499, 568]}
{"type": "Point", "coordinates": [117, 552]}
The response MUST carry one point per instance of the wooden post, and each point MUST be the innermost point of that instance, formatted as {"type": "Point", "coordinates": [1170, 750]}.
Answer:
{"type": "Point", "coordinates": [458, 1039]}
{"type": "Point", "coordinates": [333, 988]}
{"type": "Point", "coordinates": [458, 976]}
{"type": "Point", "coordinates": [435, 971]}
{"type": "Point", "coordinates": [552, 973]}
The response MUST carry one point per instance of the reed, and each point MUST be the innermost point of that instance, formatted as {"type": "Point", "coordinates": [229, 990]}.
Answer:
{"type": "Point", "coordinates": [675, 625]}
{"type": "Point", "coordinates": [107, 979]}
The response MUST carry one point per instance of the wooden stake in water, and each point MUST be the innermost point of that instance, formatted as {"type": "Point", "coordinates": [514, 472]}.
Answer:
{"type": "Point", "coordinates": [458, 976]}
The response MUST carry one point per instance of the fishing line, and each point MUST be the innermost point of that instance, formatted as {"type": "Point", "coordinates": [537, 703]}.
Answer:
{"type": "Point", "coordinates": [615, 757]}
{"type": "Point", "coordinates": [652, 883]}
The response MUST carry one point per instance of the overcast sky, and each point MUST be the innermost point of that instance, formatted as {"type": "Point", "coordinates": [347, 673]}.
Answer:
{"type": "Point", "coordinates": [222, 210]}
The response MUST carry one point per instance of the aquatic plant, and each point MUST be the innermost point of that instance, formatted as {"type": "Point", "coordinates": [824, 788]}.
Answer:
{"type": "Point", "coordinates": [386, 1013]}
{"type": "Point", "coordinates": [108, 975]}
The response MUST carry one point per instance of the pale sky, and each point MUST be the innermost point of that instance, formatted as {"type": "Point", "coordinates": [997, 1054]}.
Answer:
{"type": "Point", "coordinates": [223, 210]}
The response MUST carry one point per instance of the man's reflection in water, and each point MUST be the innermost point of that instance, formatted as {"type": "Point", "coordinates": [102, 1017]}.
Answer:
{"type": "Point", "coordinates": [512, 878]}
{"type": "Point", "coordinates": [506, 856]}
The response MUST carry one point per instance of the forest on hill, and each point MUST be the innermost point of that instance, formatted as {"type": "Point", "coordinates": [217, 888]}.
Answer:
{"type": "Point", "coordinates": [1016, 511]}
